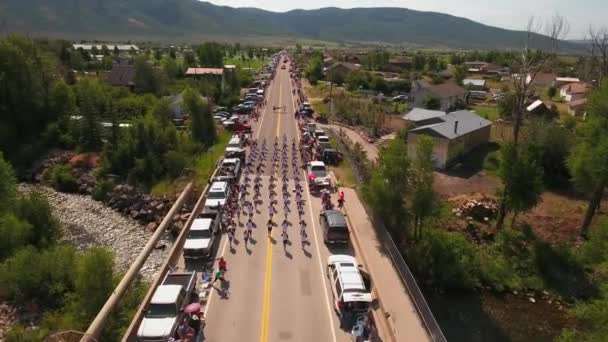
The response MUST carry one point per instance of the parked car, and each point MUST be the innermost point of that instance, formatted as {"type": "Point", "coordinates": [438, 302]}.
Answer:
{"type": "Point", "coordinates": [331, 156]}
{"type": "Point", "coordinates": [334, 226]}
{"type": "Point", "coordinates": [319, 172]}
{"type": "Point", "coordinates": [166, 308]}
{"type": "Point", "coordinates": [216, 197]}
{"type": "Point", "coordinates": [351, 296]}
{"type": "Point", "coordinates": [202, 235]}
{"type": "Point", "coordinates": [400, 98]}
{"type": "Point", "coordinates": [229, 170]}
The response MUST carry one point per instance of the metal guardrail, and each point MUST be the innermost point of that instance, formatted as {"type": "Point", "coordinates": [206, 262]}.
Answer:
{"type": "Point", "coordinates": [96, 327]}
{"type": "Point", "coordinates": [406, 275]}
{"type": "Point", "coordinates": [172, 259]}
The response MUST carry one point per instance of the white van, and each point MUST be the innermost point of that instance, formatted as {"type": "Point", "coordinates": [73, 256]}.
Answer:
{"type": "Point", "coordinates": [347, 285]}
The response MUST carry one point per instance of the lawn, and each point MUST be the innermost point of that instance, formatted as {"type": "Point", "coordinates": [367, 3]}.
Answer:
{"type": "Point", "coordinates": [488, 112]}
{"type": "Point", "coordinates": [344, 174]}
{"type": "Point", "coordinates": [255, 63]}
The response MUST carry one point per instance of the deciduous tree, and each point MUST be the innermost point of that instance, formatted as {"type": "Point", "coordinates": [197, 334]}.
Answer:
{"type": "Point", "coordinates": [588, 161]}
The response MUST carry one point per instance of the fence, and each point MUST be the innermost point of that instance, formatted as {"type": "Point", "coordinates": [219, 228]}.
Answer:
{"type": "Point", "coordinates": [424, 311]}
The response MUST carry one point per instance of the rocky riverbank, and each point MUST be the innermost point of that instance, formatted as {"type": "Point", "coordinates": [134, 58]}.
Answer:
{"type": "Point", "coordinates": [87, 223]}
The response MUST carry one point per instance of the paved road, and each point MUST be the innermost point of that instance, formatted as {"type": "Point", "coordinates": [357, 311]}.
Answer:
{"type": "Point", "coordinates": [272, 294]}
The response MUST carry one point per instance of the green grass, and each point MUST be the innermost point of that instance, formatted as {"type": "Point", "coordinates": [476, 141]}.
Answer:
{"type": "Point", "coordinates": [164, 188]}
{"type": "Point", "coordinates": [319, 106]}
{"type": "Point", "coordinates": [205, 164]}
{"type": "Point", "coordinates": [488, 112]}
{"type": "Point", "coordinates": [344, 174]}
{"type": "Point", "coordinates": [255, 63]}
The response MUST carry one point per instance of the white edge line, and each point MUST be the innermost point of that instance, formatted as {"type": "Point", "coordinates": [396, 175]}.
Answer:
{"type": "Point", "coordinates": [329, 305]}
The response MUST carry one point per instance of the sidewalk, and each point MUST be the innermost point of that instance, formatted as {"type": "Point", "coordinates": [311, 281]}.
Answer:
{"type": "Point", "coordinates": [394, 298]}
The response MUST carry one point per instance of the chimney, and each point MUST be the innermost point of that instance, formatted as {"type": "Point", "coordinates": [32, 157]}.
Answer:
{"type": "Point", "coordinates": [456, 127]}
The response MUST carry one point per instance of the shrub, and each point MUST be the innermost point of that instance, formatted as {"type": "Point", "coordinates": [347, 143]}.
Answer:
{"type": "Point", "coordinates": [36, 210]}
{"type": "Point", "coordinates": [492, 162]}
{"type": "Point", "coordinates": [15, 234]}
{"type": "Point", "coordinates": [446, 260]}
{"type": "Point", "coordinates": [175, 162]}
{"type": "Point", "coordinates": [62, 179]}
{"type": "Point", "coordinates": [42, 277]}
{"type": "Point", "coordinates": [102, 190]}
{"type": "Point", "coordinates": [496, 271]}
{"type": "Point", "coordinates": [517, 247]}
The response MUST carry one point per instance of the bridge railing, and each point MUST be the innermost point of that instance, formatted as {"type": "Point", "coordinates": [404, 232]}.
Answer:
{"type": "Point", "coordinates": [173, 258]}
{"type": "Point", "coordinates": [407, 278]}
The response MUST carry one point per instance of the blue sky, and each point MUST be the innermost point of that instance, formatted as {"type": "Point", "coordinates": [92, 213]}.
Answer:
{"type": "Point", "coordinates": [512, 14]}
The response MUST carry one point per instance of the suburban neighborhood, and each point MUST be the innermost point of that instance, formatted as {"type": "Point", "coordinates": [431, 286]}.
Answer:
{"type": "Point", "coordinates": [203, 171]}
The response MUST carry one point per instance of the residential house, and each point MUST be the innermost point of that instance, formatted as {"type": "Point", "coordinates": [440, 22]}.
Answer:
{"type": "Point", "coordinates": [422, 117]}
{"type": "Point", "coordinates": [574, 91]}
{"type": "Point", "coordinates": [560, 81]}
{"type": "Point", "coordinates": [457, 134]}
{"type": "Point", "coordinates": [542, 79]}
{"type": "Point", "coordinates": [207, 73]}
{"type": "Point", "coordinates": [474, 84]}
{"type": "Point", "coordinates": [328, 61]}
{"type": "Point", "coordinates": [122, 75]}
{"type": "Point", "coordinates": [578, 107]}
{"type": "Point", "coordinates": [342, 68]}
{"type": "Point", "coordinates": [493, 69]}
{"type": "Point", "coordinates": [400, 62]}
{"type": "Point", "coordinates": [474, 66]}
{"type": "Point", "coordinates": [449, 94]}
{"type": "Point", "coordinates": [538, 107]}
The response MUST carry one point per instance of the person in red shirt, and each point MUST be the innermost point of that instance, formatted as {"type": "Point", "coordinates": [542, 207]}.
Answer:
{"type": "Point", "coordinates": [222, 264]}
{"type": "Point", "coordinates": [341, 200]}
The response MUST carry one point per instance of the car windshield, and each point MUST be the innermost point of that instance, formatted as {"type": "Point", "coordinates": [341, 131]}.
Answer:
{"type": "Point", "coordinates": [199, 234]}
{"type": "Point", "coordinates": [319, 171]}
{"type": "Point", "coordinates": [216, 195]}
{"type": "Point", "coordinates": [161, 311]}
{"type": "Point", "coordinates": [234, 145]}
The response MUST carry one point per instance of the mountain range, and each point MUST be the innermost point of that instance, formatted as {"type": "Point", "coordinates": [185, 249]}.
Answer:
{"type": "Point", "coordinates": [193, 21]}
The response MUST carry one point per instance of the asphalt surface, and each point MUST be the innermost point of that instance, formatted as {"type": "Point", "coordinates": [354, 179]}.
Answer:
{"type": "Point", "coordinates": [272, 293]}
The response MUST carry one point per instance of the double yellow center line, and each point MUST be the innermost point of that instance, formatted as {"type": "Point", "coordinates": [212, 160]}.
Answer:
{"type": "Point", "coordinates": [268, 274]}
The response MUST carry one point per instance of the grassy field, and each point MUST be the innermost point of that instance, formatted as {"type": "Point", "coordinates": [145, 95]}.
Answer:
{"type": "Point", "coordinates": [344, 174]}
{"type": "Point", "coordinates": [255, 63]}
{"type": "Point", "coordinates": [488, 112]}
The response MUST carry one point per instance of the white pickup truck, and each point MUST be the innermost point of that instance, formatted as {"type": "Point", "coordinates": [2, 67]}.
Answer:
{"type": "Point", "coordinates": [166, 308]}
{"type": "Point", "coordinates": [202, 236]}
{"type": "Point", "coordinates": [229, 170]}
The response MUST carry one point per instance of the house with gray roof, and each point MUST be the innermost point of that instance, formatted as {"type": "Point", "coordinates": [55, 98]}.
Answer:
{"type": "Point", "coordinates": [474, 84]}
{"type": "Point", "coordinates": [457, 134]}
{"type": "Point", "coordinates": [449, 94]}
{"type": "Point", "coordinates": [422, 117]}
